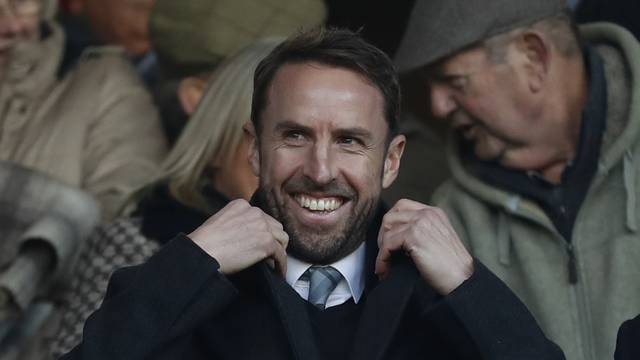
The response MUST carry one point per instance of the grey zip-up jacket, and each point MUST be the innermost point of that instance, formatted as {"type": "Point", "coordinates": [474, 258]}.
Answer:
{"type": "Point", "coordinates": [518, 242]}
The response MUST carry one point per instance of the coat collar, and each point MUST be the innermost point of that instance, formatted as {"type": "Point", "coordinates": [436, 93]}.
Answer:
{"type": "Point", "coordinates": [384, 304]}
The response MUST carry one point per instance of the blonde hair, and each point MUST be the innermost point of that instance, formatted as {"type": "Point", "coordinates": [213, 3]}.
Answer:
{"type": "Point", "coordinates": [214, 131]}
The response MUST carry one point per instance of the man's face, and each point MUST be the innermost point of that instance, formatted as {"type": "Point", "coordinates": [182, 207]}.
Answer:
{"type": "Point", "coordinates": [19, 21]}
{"type": "Point", "coordinates": [121, 22]}
{"type": "Point", "coordinates": [322, 158]}
{"type": "Point", "coordinates": [489, 103]}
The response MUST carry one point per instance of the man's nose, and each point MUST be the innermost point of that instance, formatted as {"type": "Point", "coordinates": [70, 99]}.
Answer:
{"type": "Point", "coordinates": [442, 103]}
{"type": "Point", "coordinates": [320, 165]}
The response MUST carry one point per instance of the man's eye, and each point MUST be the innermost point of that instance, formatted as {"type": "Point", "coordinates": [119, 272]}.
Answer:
{"type": "Point", "coordinates": [345, 140]}
{"type": "Point", "coordinates": [458, 82]}
{"type": "Point", "coordinates": [294, 137]}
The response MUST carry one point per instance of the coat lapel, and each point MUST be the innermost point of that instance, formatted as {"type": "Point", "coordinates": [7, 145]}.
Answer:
{"type": "Point", "coordinates": [383, 312]}
{"type": "Point", "coordinates": [293, 313]}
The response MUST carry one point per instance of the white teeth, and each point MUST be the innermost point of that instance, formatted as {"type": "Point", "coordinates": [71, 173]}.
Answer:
{"type": "Point", "coordinates": [318, 204]}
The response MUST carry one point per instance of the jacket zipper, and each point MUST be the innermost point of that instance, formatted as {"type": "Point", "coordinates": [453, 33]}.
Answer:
{"type": "Point", "coordinates": [572, 266]}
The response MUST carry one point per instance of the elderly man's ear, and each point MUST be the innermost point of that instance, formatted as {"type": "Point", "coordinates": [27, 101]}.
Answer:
{"type": "Point", "coordinates": [536, 51]}
{"type": "Point", "coordinates": [190, 91]}
{"type": "Point", "coordinates": [392, 160]}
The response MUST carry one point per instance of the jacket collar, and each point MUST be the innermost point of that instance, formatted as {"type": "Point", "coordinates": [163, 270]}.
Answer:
{"type": "Point", "coordinates": [163, 216]}
{"type": "Point", "coordinates": [384, 304]}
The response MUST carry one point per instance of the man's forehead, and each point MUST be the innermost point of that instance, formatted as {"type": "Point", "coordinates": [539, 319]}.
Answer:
{"type": "Point", "coordinates": [323, 97]}
{"type": "Point", "coordinates": [306, 69]}
{"type": "Point", "coordinates": [459, 63]}
{"type": "Point", "coordinates": [319, 83]}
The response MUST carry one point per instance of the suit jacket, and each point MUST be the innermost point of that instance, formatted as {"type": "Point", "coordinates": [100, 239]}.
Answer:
{"type": "Point", "coordinates": [178, 306]}
{"type": "Point", "coordinates": [627, 347]}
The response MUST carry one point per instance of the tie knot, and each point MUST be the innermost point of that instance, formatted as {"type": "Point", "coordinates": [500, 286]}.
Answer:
{"type": "Point", "coordinates": [322, 281]}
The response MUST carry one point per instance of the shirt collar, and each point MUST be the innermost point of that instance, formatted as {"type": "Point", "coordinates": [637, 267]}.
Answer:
{"type": "Point", "coordinates": [350, 267]}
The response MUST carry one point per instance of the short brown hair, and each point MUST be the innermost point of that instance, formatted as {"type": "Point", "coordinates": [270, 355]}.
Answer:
{"type": "Point", "coordinates": [334, 47]}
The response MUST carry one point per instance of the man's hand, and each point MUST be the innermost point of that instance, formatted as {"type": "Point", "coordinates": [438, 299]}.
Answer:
{"type": "Point", "coordinates": [425, 234]}
{"type": "Point", "coordinates": [241, 235]}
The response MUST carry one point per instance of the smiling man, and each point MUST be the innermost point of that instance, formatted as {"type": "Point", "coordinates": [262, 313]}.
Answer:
{"type": "Point", "coordinates": [315, 267]}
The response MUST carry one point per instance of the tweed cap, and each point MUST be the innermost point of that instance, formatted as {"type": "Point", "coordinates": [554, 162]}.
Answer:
{"type": "Point", "coordinates": [191, 34]}
{"type": "Point", "coordinates": [440, 28]}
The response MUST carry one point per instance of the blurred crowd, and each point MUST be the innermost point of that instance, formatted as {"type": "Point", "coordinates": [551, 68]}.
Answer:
{"type": "Point", "coordinates": [121, 125]}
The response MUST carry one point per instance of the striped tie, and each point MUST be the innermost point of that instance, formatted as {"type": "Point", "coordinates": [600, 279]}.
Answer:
{"type": "Point", "coordinates": [322, 281]}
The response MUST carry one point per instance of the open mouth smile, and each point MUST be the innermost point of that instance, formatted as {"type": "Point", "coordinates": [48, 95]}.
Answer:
{"type": "Point", "coordinates": [319, 204]}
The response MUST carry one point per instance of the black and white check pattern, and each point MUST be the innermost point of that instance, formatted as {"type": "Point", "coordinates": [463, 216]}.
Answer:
{"type": "Point", "coordinates": [112, 246]}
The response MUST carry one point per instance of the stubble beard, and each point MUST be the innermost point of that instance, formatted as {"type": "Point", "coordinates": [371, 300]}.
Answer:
{"type": "Point", "coordinates": [317, 245]}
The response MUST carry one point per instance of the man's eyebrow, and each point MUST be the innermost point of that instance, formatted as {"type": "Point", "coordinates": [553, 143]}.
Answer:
{"type": "Point", "coordinates": [441, 76]}
{"type": "Point", "coordinates": [355, 131]}
{"type": "Point", "coordinates": [287, 125]}
{"type": "Point", "coordinates": [437, 73]}
{"type": "Point", "coordinates": [359, 132]}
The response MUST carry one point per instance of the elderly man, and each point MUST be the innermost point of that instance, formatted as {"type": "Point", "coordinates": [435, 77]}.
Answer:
{"type": "Point", "coordinates": [294, 276]}
{"type": "Point", "coordinates": [92, 126]}
{"type": "Point", "coordinates": [545, 156]}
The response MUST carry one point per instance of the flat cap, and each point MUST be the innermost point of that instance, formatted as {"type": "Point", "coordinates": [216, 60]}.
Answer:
{"type": "Point", "coordinates": [192, 34]}
{"type": "Point", "coordinates": [440, 28]}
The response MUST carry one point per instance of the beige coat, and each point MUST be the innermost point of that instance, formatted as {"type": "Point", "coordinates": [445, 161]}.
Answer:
{"type": "Point", "coordinates": [95, 128]}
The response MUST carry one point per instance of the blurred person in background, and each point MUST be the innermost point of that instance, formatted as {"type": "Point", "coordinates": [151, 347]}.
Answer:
{"type": "Point", "coordinates": [206, 169]}
{"type": "Point", "coordinates": [93, 126]}
{"type": "Point", "coordinates": [191, 37]}
{"type": "Point", "coordinates": [122, 23]}
{"type": "Point", "coordinates": [544, 155]}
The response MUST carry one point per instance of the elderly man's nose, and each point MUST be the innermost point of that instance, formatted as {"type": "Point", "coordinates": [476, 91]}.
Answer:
{"type": "Point", "coordinates": [442, 104]}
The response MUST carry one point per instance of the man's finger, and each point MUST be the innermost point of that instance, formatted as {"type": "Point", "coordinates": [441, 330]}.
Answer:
{"type": "Point", "coordinates": [279, 256]}
{"type": "Point", "coordinates": [407, 205]}
{"type": "Point", "coordinates": [394, 220]}
{"type": "Point", "coordinates": [388, 245]}
{"type": "Point", "coordinates": [281, 237]}
{"type": "Point", "coordinates": [394, 231]}
{"type": "Point", "coordinates": [273, 222]}
{"type": "Point", "coordinates": [402, 216]}
{"type": "Point", "coordinates": [233, 208]}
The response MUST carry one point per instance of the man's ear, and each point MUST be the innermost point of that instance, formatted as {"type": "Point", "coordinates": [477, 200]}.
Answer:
{"type": "Point", "coordinates": [392, 160]}
{"type": "Point", "coordinates": [190, 91]}
{"type": "Point", "coordinates": [537, 55]}
{"type": "Point", "coordinates": [254, 147]}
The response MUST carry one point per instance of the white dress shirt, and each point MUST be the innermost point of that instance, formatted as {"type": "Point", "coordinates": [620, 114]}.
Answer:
{"type": "Point", "coordinates": [350, 286]}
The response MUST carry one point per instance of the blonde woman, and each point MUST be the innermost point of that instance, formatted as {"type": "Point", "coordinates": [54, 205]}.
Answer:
{"type": "Point", "coordinates": [206, 169]}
